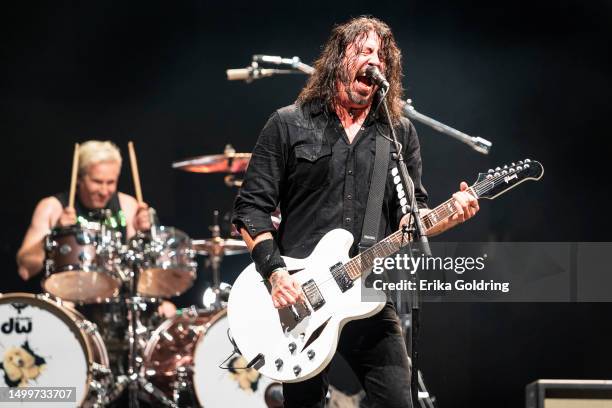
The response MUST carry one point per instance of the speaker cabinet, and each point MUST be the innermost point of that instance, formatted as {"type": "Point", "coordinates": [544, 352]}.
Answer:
{"type": "Point", "coordinates": [569, 394]}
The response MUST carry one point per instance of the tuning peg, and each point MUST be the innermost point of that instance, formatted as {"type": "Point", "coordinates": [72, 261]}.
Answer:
{"type": "Point", "coordinates": [504, 172]}
{"type": "Point", "coordinates": [489, 176]}
{"type": "Point", "coordinates": [513, 164]}
{"type": "Point", "coordinates": [520, 162]}
{"type": "Point", "coordinates": [505, 166]}
{"type": "Point", "coordinates": [527, 161]}
{"type": "Point", "coordinates": [526, 166]}
{"type": "Point", "coordinates": [512, 170]}
{"type": "Point", "coordinates": [497, 169]}
{"type": "Point", "coordinates": [497, 174]}
{"type": "Point", "coordinates": [519, 168]}
{"type": "Point", "coordinates": [491, 171]}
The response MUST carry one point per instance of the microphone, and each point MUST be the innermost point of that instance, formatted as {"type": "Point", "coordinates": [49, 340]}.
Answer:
{"type": "Point", "coordinates": [239, 74]}
{"type": "Point", "coordinates": [250, 73]}
{"type": "Point", "coordinates": [376, 76]}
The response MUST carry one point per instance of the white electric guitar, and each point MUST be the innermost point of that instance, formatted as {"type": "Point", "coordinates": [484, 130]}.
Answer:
{"type": "Point", "coordinates": [296, 343]}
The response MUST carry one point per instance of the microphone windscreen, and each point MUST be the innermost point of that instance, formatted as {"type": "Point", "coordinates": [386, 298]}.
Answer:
{"type": "Point", "coordinates": [238, 74]}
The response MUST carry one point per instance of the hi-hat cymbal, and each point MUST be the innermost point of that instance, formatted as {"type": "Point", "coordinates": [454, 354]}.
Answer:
{"type": "Point", "coordinates": [219, 246]}
{"type": "Point", "coordinates": [229, 162]}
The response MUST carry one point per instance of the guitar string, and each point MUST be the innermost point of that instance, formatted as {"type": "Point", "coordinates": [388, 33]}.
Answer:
{"type": "Point", "coordinates": [352, 263]}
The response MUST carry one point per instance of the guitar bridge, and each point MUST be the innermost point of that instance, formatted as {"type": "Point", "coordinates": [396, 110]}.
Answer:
{"type": "Point", "coordinates": [341, 277]}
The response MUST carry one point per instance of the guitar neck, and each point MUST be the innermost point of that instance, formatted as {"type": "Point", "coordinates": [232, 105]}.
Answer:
{"type": "Point", "coordinates": [398, 239]}
{"type": "Point", "coordinates": [489, 186]}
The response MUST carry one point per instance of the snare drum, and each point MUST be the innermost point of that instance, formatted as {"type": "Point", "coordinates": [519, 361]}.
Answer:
{"type": "Point", "coordinates": [168, 266]}
{"type": "Point", "coordinates": [82, 263]}
{"type": "Point", "coordinates": [198, 342]}
{"type": "Point", "coordinates": [46, 345]}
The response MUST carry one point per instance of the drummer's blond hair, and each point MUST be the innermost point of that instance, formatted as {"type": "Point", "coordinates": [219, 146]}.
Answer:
{"type": "Point", "coordinates": [96, 151]}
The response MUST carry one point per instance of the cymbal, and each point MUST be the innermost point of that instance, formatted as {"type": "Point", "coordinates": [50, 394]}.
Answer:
{"type": "Point", "coordinates": [229, 162]}
{"type": "Point", "coordinates": [219, 246]}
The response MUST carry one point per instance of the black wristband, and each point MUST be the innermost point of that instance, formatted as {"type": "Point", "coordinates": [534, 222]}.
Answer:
{"type": "Point", "coordinates": [267, 257]}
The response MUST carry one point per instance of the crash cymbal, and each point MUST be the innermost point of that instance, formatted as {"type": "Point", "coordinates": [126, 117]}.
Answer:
{"type": "Point", "coordinates": [219, 246]}
{"type": "Point", "coordinates": [228, 162]}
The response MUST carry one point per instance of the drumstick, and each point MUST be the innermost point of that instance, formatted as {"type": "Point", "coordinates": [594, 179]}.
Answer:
{"type": "Point", "coordinates": [73, 177]}
{"type": "Point", "coordinates": [135, 175]}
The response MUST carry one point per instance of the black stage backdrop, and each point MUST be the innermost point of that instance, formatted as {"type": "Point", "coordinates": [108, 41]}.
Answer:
{"type": "Point", "coordinates": [533, 77]}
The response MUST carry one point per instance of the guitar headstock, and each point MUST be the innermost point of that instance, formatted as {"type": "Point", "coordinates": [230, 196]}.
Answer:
{"type": "Point", "coordinates": [501, 179]}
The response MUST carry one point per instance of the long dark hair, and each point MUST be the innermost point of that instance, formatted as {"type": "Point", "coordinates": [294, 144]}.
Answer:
{"type": "Point", "coordinates": [331, 68]}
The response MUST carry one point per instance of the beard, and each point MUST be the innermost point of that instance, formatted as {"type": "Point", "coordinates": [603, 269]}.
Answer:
{"type": "Point", "coordinates": [357, 98]}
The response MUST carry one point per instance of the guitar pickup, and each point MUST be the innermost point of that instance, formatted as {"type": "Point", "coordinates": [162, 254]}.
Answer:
{"type": "Point", "coordinates": [342, 278]}
{"type": "Point", "coordinates": [313, 294]}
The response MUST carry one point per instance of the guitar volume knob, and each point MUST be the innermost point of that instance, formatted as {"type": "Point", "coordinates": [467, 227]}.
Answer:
{"type": "Point", "coordinates": [278, 363]}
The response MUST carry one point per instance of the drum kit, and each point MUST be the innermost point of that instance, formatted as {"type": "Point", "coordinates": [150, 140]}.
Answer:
{"type": "Point", "coordinates": [119, 285]}
{"type": "Point", "coordinates": [96, 328]}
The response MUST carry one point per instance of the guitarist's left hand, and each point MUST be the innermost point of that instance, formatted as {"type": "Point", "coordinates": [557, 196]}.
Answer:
{"type": "Point", "coordinates": [466, 203]}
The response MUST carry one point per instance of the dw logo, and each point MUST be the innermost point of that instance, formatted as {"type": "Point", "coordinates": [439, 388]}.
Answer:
{"type": "Point", "coordinates": [19, 325]}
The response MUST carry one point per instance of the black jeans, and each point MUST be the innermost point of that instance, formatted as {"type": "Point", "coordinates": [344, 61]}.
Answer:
{"type": "Point", "coordinates": [375, 350]}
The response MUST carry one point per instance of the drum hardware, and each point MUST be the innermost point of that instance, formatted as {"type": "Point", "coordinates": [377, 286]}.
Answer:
{"type": "Point", "coordinates": [215, 297]}
{"type": "Point", "coordinates": [182, 391]}
{"type": "Point", "coordinates": [232, 181]}
{"type": "Point", "coordinates": [228, 162]}
{"type": "Point", "coordinates": [134, 381]}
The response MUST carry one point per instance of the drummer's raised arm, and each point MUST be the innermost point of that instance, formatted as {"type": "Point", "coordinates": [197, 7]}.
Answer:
{"type": "Point", "coordinates": [31, 255]}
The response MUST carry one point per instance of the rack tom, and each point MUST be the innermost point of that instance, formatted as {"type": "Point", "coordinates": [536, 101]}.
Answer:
{"type": "Point", "coordinates": [168, 265]}
{"type": "Point", "coordinates": [82, 263]}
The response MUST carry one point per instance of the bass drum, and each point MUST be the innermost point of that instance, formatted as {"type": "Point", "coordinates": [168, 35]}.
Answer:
{"type": "Point", "coordinates": [197, 342]}
{"type": "Point", "coordinates": [47, 345]}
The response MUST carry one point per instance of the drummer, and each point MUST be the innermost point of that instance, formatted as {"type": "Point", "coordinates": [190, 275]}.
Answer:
{"type": "Point", "coordinates": [98, 174]}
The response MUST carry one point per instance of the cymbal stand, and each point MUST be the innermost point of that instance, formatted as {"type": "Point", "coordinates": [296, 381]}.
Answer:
{"type": "Point", "coordinates": [215, 257]}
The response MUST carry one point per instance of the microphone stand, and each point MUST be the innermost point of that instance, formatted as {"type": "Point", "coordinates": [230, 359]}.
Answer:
{"type": "Point", "coordinates": [411, 323]}
{"type": "Point", "coordinates": [477, 143]}
{"type": "Point", "coordinates": [296, 66]}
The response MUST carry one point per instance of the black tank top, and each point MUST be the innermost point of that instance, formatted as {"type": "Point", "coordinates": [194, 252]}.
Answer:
{"type": "Point", "coordinates": [116, 221]}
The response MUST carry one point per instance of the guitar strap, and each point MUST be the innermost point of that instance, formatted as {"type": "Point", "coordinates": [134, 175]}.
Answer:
{"type": "Point", "coordinates": [371, 221]}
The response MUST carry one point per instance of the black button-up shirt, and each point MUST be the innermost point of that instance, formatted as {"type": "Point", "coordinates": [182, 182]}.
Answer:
{"type": "Point", "coordinates": [303, 161]}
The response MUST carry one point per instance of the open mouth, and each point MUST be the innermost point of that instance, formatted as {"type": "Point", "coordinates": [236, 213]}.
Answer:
{"type": "Point", "coordinates": [363, 80]}
{"type": "Point", "coordinates": [363, 84]}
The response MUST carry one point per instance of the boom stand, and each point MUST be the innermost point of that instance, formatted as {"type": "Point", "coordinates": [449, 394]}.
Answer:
{"type": "Point", "coordinates": [411, 331]}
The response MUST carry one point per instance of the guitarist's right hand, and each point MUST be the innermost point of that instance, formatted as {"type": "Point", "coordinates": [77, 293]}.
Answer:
{"type": "Point", "coordinates": [286, 291]}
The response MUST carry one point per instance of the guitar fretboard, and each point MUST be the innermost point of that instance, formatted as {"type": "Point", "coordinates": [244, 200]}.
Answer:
{"type": "Point", "coordinates": [398, 239]}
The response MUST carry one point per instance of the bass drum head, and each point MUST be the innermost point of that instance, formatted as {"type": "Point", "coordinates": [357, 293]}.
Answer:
{"type": "Point", "coordinates": [216, 387]}
{"type": "Point", "coordinates": [42, 346]}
